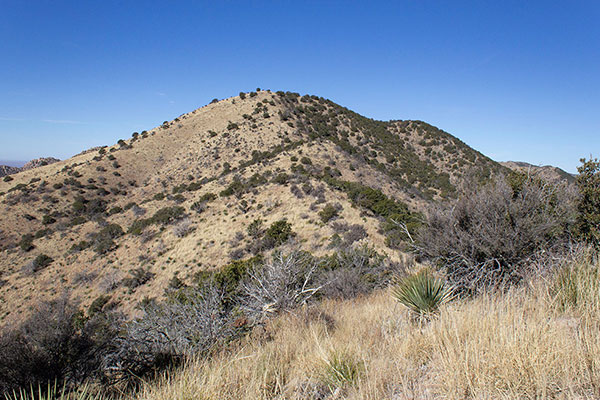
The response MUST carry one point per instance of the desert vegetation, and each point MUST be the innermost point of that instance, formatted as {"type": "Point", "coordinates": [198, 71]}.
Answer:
{"type": "Point", "coordinates": [299, 251]}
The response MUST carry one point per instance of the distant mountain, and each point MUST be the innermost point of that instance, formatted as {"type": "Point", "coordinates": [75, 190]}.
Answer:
{"type": "Point", "coordinates": [547, 172]}
{"type": "Point", "coordinates": [7, 170]}
{"type": "Point", "coordinates": [38, 162]}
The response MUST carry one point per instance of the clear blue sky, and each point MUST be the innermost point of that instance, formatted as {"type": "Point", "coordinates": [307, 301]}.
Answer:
{"type": "Point", "coordinates": [517, 80]}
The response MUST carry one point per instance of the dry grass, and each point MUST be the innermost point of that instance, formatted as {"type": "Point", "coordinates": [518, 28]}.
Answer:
{"type": "Point", "coordinates": [529, 343]}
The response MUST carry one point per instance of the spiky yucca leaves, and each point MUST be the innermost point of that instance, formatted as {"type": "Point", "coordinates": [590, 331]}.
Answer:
{"type": "Point", "coordinates": [54, 392]}
{"type": "Point", "coordinates": [422, 292]}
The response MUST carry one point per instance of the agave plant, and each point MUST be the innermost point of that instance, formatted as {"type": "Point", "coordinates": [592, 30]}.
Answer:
{"type": "Point", "coordinates": [422, 292]}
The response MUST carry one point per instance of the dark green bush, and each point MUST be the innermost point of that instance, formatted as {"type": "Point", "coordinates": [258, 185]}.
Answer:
{"type": "Point", "coordinates": [48, 220]}
{"type": "Point", "coordinates": [41, 262]}
{"type": "Point", "coordinates": [281, 178]}
{"type": "Point", "coordinates": [163, 216]}
{"type": "Point", "coordinates": [26, 243]}
{"type": "Point", "coordinates": [104, 239]}
{"type": "Point", "coordinates": [328, 212]}
{"type": "Point", "coordinates": [278, 233]}
{"type": "Point", "coordinates": [588, 204]}
{"type": "Point", "coordinates": [139, 276]}
{"type": "Point", "coordinates": [80, 246]}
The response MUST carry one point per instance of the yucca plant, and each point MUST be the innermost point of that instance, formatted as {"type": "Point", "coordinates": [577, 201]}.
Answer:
{"type": "Point", "coordinates": [422, 292]}
{"type": "Point", "coordinates": [53, 392]}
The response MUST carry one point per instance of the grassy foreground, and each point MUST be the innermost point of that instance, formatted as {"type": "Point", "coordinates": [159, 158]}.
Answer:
{"type": "Point", "coordinates": [541, 341]}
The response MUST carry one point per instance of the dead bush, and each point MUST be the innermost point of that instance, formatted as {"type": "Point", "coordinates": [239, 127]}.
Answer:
{"type": "Point", "coordinates": [168, 332]}
{"type": "Point", "coordinates": [488, 237]}
{"type": "Point", "coordinates": [281, 284]}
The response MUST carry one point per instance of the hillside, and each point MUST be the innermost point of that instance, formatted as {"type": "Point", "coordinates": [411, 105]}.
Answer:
{"type": "Point", "coordinates": [125, 222]}
{"type": "Point", "coordinates": [546, 172]}
{"type": "Point", "coordinates": [38, 162]}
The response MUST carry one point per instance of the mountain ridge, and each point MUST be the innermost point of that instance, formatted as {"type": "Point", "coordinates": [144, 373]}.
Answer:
{"type": "Point", "coordinates": [124, 221]}
{"type": "Point", "coordinates": [35, 163]}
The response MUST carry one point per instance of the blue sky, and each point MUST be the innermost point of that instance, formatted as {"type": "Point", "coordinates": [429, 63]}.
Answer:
{"type": "Point", "coordinates": [516, 80]}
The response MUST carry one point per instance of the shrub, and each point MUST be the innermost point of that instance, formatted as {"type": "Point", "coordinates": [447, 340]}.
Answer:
{"type": "Point", "coordinates": [306, 161]}
{"type": "Point", "coordinates": [139, 276]}
{"type": "Point", "coordinates": [26, 243]}
{"type": "Point", "coordinates": [115, 210]}
{"type": "Point", "coordinates": [588, 205]}
{"type": "Point", "coordinates": [56, 343]}
{"type": "Point", "coordinates": [278, 233]}
{"type": "Point", "coordinates": [255, 229]}
{"type": "Point", "coordinates": [39, 263]}
{"type": "Point", "coordinates": [242, 95]}
{"type": "Point", "coordinates": [103, 240]}
{"type": "Point", "coordinates": [167, 215]}
{"type": "Point", "coordinates": [352, 272]}
{"type": "Point", "coordinates": [281, 178]}
{"type": "Point", "coordinates": [488, 237]}
{"type": "Point", "coordinates": [48, 220]}
{"type": "Point", "coordinates": [282, 284]}
{"type": "Point", "coordinates": [422, 293]}
{"type": "Point", "coordinates": [328, 212]}
{"type": "Point", "coordinates": [80, 246]}
{"type": "Point", "coordinates": [236, 187]}
{"type": "Point", "coordinates": [182, 228]}
{"type": "Point", "coordinates": [8, 178]}
{"type": "Point", "coordinates": [168, 332]}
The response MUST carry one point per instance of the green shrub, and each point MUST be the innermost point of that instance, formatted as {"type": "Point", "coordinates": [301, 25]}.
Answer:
{"type": "Point", "coordinates": [281, 178]}
{"type": "Point", "coordinates": [422, 293]}
{"type": "Point", "coordinates": [306, 161]}
{"type": "Point", "coordinates": [278, 233]}
{"type": "Point", "coordinates": [43, 232]}
{"type": "Point", "coordinates": [255, 229]}
{"type": "Point", "coordinates": [8, 178]}
{"type": "Point", "coordinates": [41, 262]}
{"type": "Point", "coordinates": [104, 239]}
{"type": "Point", "coordinates": [139, 276]}
{"type": "Point", "coordinates": [26, 243]}
{"type": "Point", "coordinates": [588, 204]}
{"type": "Point", "coordinates": [98, 304]}
{"type": "Point", "coordinates": [236, 187]}
{"type": "Point", "coordinates": [328, 212]}
{"type": "Point", "coordinates": [115, 210]}
{"type": "Point", "coordinates": [48, 220]}
{"type": "Point", "coordinates": [167, 215]}
{"type": "Point", "coordinates": [80, 246]}
{"type": "Point", "coordinates": [163, 216]}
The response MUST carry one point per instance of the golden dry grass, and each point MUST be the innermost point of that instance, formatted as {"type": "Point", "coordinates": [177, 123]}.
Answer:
{"type": "Point", "coordinates": [530, 343]}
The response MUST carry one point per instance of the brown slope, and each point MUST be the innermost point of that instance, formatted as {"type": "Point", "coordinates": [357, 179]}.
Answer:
{"type": "Point", "coordinates": [241, 144]}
